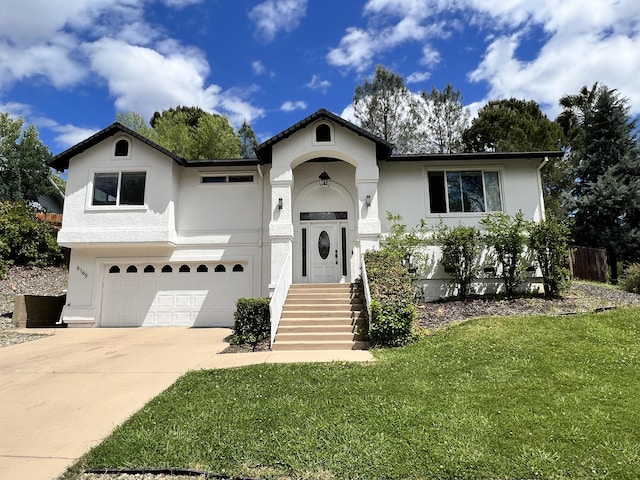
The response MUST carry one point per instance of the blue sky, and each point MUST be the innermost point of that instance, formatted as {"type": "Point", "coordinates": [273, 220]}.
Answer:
{"type": "Point", "coordinates": [69, 66]}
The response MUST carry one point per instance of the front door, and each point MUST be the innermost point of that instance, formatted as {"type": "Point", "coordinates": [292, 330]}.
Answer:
{"type": "Point", "coordinates": [323, 245]}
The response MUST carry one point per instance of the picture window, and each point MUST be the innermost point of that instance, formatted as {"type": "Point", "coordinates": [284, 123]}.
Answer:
{"type": "Point", "coordinates": [119, 188]}
{"type": "Point", "coordinates": [464, 191]}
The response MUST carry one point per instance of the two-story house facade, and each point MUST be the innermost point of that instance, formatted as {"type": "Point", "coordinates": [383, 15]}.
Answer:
{"type": "Point", "coordinates": [157, 239]}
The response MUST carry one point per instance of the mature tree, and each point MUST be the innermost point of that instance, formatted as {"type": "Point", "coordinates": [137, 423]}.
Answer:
{"type": "Point", "coordinates": [520, 126]}
{"type": "Point", "coordinates": [24, 174]}
{"type": "Point", "coordinates": [576, 109]}
{"type": "Point", "coordinates": [190, 115]}
{"type": "Point", "coordinates": [137, 123]}
{"type": "Point", "coordinates": [511, 126]}
{"type": "Point", "coordinates": [445, 119]}
{"type": "Point", "coordinates": [194, 134]}
{"type": "Point", "coordinates": [248, 141]}
{"type": "Point", "coordinates": [605, 151]}
{"type": "Point", "coordinates": [385, 107]}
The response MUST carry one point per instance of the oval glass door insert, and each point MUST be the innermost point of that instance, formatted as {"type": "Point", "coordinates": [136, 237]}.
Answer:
{"type": "Point", "coordinates": [324, 245]}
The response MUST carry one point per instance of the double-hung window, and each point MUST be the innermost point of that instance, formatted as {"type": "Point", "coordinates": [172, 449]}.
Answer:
{"type": "Point", "coordinates": [456, 191]}
{"type": "Point", "coordinates": [119, 188]}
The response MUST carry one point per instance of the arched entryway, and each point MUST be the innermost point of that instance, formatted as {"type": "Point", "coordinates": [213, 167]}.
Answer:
{"type": "Point", "coordinates": [324, 227]}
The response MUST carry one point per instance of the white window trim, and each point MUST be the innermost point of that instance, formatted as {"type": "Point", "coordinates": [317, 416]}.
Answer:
{"type": "Point", "coordinates": [463, 168]}
{"type": "Point", "coordinates": [113, 148]}
{"type": "Point", "coordinates": [119, 208]}
{"type": "Point", "coordinates": [314, 142]}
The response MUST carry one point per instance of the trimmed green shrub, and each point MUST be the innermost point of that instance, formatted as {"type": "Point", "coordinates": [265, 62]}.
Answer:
{"type": "Point", "coordinates": [506, 235]}
{"type": "Point", "coordinates": [252, 321]}
{"type": "Point", "coordinates": [549, 241]}
{"type": "Point", "coordinates": [393, 311]}
{"type": "Point", "coordinates": [460, 254]}
{"type": "Point", "coordinates": [25, 240]}
{"type": "Point", "coordinates": [631, 279]}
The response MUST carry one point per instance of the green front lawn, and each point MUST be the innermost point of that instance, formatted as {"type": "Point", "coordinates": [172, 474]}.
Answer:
{"type": "Point", "coordinates": [513, 397]}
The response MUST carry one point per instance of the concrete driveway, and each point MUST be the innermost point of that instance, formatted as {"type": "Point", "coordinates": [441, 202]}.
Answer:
{"type": "Point", "coordinates": [61, 395]}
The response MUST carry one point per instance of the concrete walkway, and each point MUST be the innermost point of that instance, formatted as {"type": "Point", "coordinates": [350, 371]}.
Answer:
{"type": "Point", "coordinates": [63, 394]}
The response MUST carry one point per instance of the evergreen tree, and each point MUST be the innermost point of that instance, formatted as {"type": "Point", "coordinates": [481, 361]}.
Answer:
{"type": "Point", "coordinates": [606, 155]}
{"type": "Point", "coordinates": [445, 120]}
{"type": "Point", "coordinates": [386, 108]}
{"type": "Point", "coordinates": [248, 141]}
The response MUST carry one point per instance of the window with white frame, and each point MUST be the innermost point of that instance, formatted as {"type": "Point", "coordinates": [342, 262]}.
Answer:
{"type": "Point", "coordinates": [462, 191]}
{"type": "Point", "coordinates": [231, 178]}
{"type": "Point", "coordinates": [118, 188]}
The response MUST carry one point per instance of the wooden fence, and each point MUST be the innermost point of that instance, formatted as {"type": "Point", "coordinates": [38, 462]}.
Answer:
{"type": "Point", "coordinates": [589, 264]}
{"type": "Point", "coordinates": [54, 219]}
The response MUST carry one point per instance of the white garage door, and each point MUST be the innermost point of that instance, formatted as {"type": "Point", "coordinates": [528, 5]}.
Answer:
{"type": "Point", "coordinates": [192, 295]}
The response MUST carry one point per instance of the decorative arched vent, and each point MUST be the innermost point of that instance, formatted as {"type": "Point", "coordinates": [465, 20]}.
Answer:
{"type": "Point", "coordinates": [323, 133]}
{"type": "Point", "coordinates": [122, 148]}
{"type": "Point", "coordinates": [184, 269]}
{"type": "Point", "coordinates": [132, 269]}
{"type": "Point", "coordinates": [167, 269]}
{"type": "Point", "coordinates": [202, 269]}
{"type": "Point", "coordinates": [114, 269]}
{"type": "Point", "coordinates": [220, 268]}
{"type": "Point", "coordinates": [238, 268]}
{"type": "Point", "coordinates": [149, 269]}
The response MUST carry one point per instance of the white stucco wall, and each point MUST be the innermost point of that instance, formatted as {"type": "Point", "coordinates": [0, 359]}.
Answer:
{"type": "Point", "coordinates": [84, 223]}
{"type": "Point", "coordinates": [403, 189]}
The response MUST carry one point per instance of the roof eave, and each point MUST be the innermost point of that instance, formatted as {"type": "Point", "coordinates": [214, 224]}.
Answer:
{"type": "Point", "coordinates": [61, 161]}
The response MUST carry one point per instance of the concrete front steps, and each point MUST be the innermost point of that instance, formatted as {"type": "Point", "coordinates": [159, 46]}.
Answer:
{"type": "Point", "coordinates": [322, 316]}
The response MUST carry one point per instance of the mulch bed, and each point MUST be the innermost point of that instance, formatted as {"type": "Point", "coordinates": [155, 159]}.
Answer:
{"type": "Point", "coordinates": [581, 298]}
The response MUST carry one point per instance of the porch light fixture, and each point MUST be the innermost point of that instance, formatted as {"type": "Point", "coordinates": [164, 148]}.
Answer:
{"type": "Point", "coordinates": [279, 204]}
{"type": "Point", "coordinates": [324, 177]}
{"type": "Point", "coordinates": [367, 200]}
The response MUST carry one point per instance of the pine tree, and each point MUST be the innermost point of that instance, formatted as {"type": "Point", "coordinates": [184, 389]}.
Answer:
{"type": "Point", "coordinates": [606, 156]}
{"type": "Point", "coordinates": [248, 141]}
{"type": "Point", "coordinates": [445, 119]}
{"type": "Point", "coordinates": [386, 108]}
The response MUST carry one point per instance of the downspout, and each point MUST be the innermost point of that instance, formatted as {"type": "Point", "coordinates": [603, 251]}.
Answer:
{"type": "Point", "coordinates": [540, 186]}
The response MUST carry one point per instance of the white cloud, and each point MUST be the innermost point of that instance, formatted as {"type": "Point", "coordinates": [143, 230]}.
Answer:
{"type": "Point", "coordinates": [418, 77]}
{"type": "Point", "coordinates": [356, 50]}
{"type": "Point", "coordinates": [70, 135]}
{"type": "Point", "coordinates": [258, 67]}
{"type": "Point", "coordinates": [430, 56]}
{"type": "Point", "coordinates": [274, 16]}
{"type": "Point", "coordinates": [318, 84]}
{"type": "Point", "coordinates": [583, 42]}
{"type": "Point", "coordinates": [289, 106]}
{"type": "Point", "coordinates": [15, 109]}
{"type": "Point", "coordinates": [180, 3]}
{"type": "Point", "coordinates": [579, 51]}
{"type": "Point", "coordinates": [144, 80]}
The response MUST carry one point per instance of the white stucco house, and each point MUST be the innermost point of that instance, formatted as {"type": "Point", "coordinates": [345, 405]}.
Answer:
{"type": "Point", "coordinates": [157, 239]}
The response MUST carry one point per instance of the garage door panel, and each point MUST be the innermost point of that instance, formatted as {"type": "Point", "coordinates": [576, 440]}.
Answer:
{"type": "Point", "coordinates": [199, 299]}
